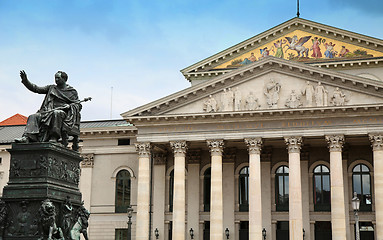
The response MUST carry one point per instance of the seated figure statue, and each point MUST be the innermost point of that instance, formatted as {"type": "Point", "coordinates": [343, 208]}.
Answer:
{"type": "Point", "coordinates": [59, 114]}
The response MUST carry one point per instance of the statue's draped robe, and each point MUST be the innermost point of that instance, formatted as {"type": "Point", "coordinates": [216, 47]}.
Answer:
{"type": "Point", "coordinates": [50, 121]}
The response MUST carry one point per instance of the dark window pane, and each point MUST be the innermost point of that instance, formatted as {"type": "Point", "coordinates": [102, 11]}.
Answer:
{"type": "Point", "coordinates": [366, 184]}
{"type": "Point", "coordinates": [122, 197]}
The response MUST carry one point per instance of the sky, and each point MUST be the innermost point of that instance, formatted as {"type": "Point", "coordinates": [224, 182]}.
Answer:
{"type": "Point", "coordinates": [128, 53]}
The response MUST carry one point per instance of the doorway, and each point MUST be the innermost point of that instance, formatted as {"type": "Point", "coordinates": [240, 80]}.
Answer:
{"type": "Point", "coordinates": [323, 230]}
{"type": "Point", "coordinates": [283, 230]}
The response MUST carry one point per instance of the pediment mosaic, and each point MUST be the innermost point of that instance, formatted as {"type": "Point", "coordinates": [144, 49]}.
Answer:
{"type": "Point", "coordinates": [304, 47]}
{"type": "Point", "coordinates": [277, 91]}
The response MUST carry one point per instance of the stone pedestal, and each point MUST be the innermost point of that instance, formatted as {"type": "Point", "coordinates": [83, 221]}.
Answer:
{"type": "Point", "coordinates": [38, 172]}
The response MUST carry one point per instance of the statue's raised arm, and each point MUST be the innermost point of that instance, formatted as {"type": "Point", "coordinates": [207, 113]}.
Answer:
{"type": "Point", "coordinates": [59, 115]}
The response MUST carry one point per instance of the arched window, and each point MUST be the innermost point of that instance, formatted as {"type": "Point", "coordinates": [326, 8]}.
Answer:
{"type": "Point", "coordinates": [206, 189]}
{"type": "Point", "coordinates": [244, 189]}
{"type": "Point", "coordinates": [171, 190]}
{"type": "Point", "coordinates": [282, 188]}
{"type": "Point", "coordinates": [361, 184]}
{"type": "Point", "coordinates": [122, 191]}
{"type": "Point", "coordinates": [322, 189]}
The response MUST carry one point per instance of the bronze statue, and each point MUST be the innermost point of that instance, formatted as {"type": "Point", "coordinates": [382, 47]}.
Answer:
{"type": "Point", "coordinates": [59, 114]}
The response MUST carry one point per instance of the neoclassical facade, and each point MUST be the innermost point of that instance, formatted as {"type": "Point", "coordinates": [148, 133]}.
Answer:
{"type": "Point", "coordinates": [272, 139]}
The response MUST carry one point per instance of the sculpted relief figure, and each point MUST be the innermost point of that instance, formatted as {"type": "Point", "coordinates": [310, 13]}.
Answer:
{"type": "Point", "coordinates": [252, 102]}
{"type": "Point", "coordinates": [59, 114]}
{"type": "Point", "coordinates": [338, 98]}
{"type": "Point", "coordinates": [294, 100]}
{"type": "Point", "coordinates": [237, 99]}
{"type": "Point", "coordinates": [271, 91]}
{"type": "Point", "coordinates": [210, 105]}
{"type": "Point", "coordinates": [227, 100]}
{"type": "Point", "coordinates": [308, 91]}
{"type": "Point", "coordinates": [320, 95]}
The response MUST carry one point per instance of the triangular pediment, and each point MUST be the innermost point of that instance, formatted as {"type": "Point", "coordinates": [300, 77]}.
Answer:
{"type": "Point", "coordinates": [297, 40]}
{"type": "Point", "coordinates": [269, 84]}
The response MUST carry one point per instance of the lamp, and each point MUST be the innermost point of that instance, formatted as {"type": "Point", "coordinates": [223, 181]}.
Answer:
{"type": "Point", "coordinates": [304, 234]}
{"type": "Point", "coordinates": [355, 205]}
{"type": "Point", "coordinates": [264, 233]}
{"type": "Point", "coordinates": [156, 233]}
{"type": "Point", "coordinates": [191, 231]}
{"type": "Point", "coordinates": [227, 232]}
{"type": "Point", "coordinates": [130, 213]}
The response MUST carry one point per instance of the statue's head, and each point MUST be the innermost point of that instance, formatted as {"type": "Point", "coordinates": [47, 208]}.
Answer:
{"type": "Point", "coordinates": [61, 77]}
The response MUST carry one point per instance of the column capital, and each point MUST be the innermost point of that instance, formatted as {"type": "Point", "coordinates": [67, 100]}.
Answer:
{"type": "Point", "coordinates": [254, 145]}
{"type": "Point", "coordinates": [335, 142]}
{"type": "Point", "coordinates": [179, 148]}
{"type": "Point", "coordinates": [88, 160]}
{"type": "Point", "coordinates": [376, 140]}
{"type": "Point", "coordinates": [294, 144]}
{"type": "Point", "coordinates": [215, 146]}
{"type": "Point", "coordinates": [143, 149]}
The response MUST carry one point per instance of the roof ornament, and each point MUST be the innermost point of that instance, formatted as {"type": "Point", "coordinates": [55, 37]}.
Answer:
{"type": "Point", "coordinates": [298, 8]}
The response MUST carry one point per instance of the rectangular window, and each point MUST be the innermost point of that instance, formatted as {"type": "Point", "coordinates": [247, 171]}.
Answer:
{"type": "Point", "coordinates": [121, 234]}
{"type": "Point", "coordinates": [123, 141]}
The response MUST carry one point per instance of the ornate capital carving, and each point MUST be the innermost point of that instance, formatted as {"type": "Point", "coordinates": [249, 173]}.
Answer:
{"type": "Point", "coordinates": [143, 149]}
{"type": "Point", "coordinates": [179, 148]}
{"type": "Point", "coordinates": [376, 140]}
{"type": "Point", "coordinates": [254, 145]}
{"type": "Point", "coordinates": [194, 156]}
{"type": "Point", "coordinates": [294, 144]}
{"type": "Point", "coordinates": [159, 158]}
{"type": "Point", "coordinates": [215, 147]}
{"type": "Point", "coordinates": [88, 160]}
{"type": "Point", "coordinates": [335, 142]}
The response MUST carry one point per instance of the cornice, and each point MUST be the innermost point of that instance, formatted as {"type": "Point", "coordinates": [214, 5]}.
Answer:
{"type": "Point", "coordinates": [264, 66]}
{"type": "Point", "coordinates": [304, 113]}
{"type": "Point", "coordinates": [108, 131]}
{"type": "Point", "coordinates": [277, 31]}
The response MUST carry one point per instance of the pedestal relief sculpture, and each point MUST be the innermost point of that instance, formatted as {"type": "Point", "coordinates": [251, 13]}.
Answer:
{"type": "Point", "coordinates": [271, 90]}
{"type": "Point", "coordinates": [320, 95]}
{"type": "Point", "coordinates": [338, 98]}
{"type": "Point", "coordinates": [210, 105]}
{"type": "Point", "coordinates": [42, 199]}
{"type": "Point", "coordinates": [294, 100]}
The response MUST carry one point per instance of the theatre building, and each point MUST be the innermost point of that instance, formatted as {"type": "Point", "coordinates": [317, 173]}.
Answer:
{"type": "Point", "coordinates": [270, 141]}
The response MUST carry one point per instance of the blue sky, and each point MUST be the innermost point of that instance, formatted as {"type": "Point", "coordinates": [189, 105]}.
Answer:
{"type": "Point", "coordinates": [139, 47]}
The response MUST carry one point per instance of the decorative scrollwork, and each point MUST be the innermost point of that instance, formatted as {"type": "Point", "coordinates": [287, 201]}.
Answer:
{"type": "Point", "coordinates": [254, 145]}
{"type": "Point", "coordinates": [335, 142]}
{"type": "Point", "coordinates": [179, 147]}
{"type": "Point", "coordinates": [143, 149]}
{"type": "Point", "coordinates": [215, 147]}
{"type": "Point", "coordinates": [376, 140]}
{"type": "Point", "coordinates": [294, 144]}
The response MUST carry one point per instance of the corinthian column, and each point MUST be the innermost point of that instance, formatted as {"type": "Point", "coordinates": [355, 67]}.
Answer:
{"type": "Point", "coordinates": [216, 199]}
{"type": "Point", "coordinates": [143, 191]}
{"type": "Point", "coordinates": [295, 188]}
{"type": "Point", "coordinates": [179, 149]}
{"type": "Point", "coordinates": [377, 146]}
{"type": "Point", "coordinates": [338, 212]}
{"type": "Point", "coordinates": [255, 196]}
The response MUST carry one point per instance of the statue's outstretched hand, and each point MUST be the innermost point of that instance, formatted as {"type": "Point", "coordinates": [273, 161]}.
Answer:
{"type": "Point", "coordinates": [23, 76]}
